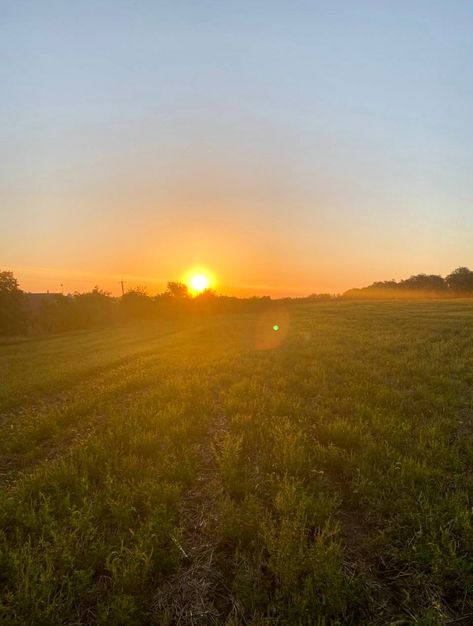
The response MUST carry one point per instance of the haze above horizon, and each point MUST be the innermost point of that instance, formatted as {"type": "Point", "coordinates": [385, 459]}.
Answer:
{"type": "Point", "coordinates": [287, 147]}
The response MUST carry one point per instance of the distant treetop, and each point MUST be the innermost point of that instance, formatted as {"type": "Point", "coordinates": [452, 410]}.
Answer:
{"type": "Point", "coordinates": [457, 283]}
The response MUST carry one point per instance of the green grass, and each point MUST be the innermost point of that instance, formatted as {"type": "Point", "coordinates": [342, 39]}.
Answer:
{"type": "Point", "coordinates": [324, 480]}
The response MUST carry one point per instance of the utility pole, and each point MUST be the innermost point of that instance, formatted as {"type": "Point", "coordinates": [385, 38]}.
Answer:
{"type": "Point", "coordinates": [62, 288]}
{"type": "Point", "coordinates": [123, 288]}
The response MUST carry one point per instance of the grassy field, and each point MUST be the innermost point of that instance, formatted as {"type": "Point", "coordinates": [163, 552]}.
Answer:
{"type": "Point", "coordinates": [217, 471]}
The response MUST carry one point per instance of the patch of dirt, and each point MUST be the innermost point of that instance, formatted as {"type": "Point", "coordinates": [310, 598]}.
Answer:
{"type": "Point", "coordinates": [197, 595]}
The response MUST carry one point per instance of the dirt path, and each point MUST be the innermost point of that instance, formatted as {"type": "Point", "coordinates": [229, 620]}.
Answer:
{"type": "Point", "coordinates": [197, 594]}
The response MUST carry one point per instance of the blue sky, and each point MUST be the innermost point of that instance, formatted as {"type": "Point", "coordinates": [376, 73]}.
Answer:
{"type": "Point", "coordinates": [331, 141]}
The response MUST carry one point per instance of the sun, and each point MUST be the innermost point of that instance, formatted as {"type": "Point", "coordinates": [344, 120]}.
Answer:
{"type": "Point", "coordinates": [198, 279]}
{"type": "Point", "coordinates": [199, 283]}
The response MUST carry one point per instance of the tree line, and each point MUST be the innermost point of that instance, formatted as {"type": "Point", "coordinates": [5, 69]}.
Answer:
{"type": "Point", "coordinates": [24, 313]}
{"type": "Point", "coordinates": [457, 284]}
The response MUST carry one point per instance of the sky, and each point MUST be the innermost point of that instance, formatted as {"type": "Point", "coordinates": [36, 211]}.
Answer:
{"type": "Point", "coordinates": [289, 147]}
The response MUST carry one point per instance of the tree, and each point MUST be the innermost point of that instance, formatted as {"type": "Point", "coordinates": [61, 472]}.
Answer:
{"type": "Point", "coordinates": [92, 308]}
{"type": "Point", "coordinates": [460, 280]}
{"type": "Point", "coordinates": [55, 314]}
{"type": "Point", "coordinates": [12, 312]}
{"type": "Point", "coordinates": [177, 290]}
{"type": "Point", "coordinates": [384, 284]}
{"type": "Point", "coordinates": [206, 294]}
{"type": "Point", "coordinates": [8, 283]}
{"type": "Point", "coordinates": [136, 303]}
{"type": "Point", "coordinates": [424, 282]}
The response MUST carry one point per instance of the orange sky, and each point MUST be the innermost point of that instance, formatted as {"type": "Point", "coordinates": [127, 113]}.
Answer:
{"type": "Point", "coordinates": [253, 223]}
{"type": "Point", "coordinates": [289, 149]}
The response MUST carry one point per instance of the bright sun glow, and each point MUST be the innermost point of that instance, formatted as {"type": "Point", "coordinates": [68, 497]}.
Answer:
{"type": "Point", "coordinates": [199, 282]}
{"type": "Point", "coordinates": [198, 279]}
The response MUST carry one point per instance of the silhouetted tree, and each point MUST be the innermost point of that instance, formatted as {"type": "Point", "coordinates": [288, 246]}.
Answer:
{"type": "Point", "coordinates": [177, 290]}
{"type": "Point", "coordinates": [55, 314]}
{"type": "Point", "coordinates": [206, 294]}
{"type": "Point", "coordinates": [424, 282]}
{"type": "Point", "coordinates": [136, 303]}
{"type": "Point", "coordinates": [92, 308]}
{"type": "Point", "coordinates": [384, 284]}
{"type": "Point", "coordinates": [12, 313]}
{"type": "Point", "coordinates": [419, 285]}
{"type": "Point", "coordinates": [460, 280]}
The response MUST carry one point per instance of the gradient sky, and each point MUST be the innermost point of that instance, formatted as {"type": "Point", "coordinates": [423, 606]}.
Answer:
{"type": "Point", "coordinates": [291, 147]}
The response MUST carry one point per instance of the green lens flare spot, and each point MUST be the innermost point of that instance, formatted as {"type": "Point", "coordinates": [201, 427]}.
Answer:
{"type": "Point", "coordinates": [276, 327]}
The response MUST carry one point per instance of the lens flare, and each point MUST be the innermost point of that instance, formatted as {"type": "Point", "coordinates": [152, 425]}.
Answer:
{"type": "Point", "coordinates": [269, 334]}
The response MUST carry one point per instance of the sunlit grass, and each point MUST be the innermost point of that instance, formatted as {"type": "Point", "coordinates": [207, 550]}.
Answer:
{"type": "Point", "coordinates": [332, 470]}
